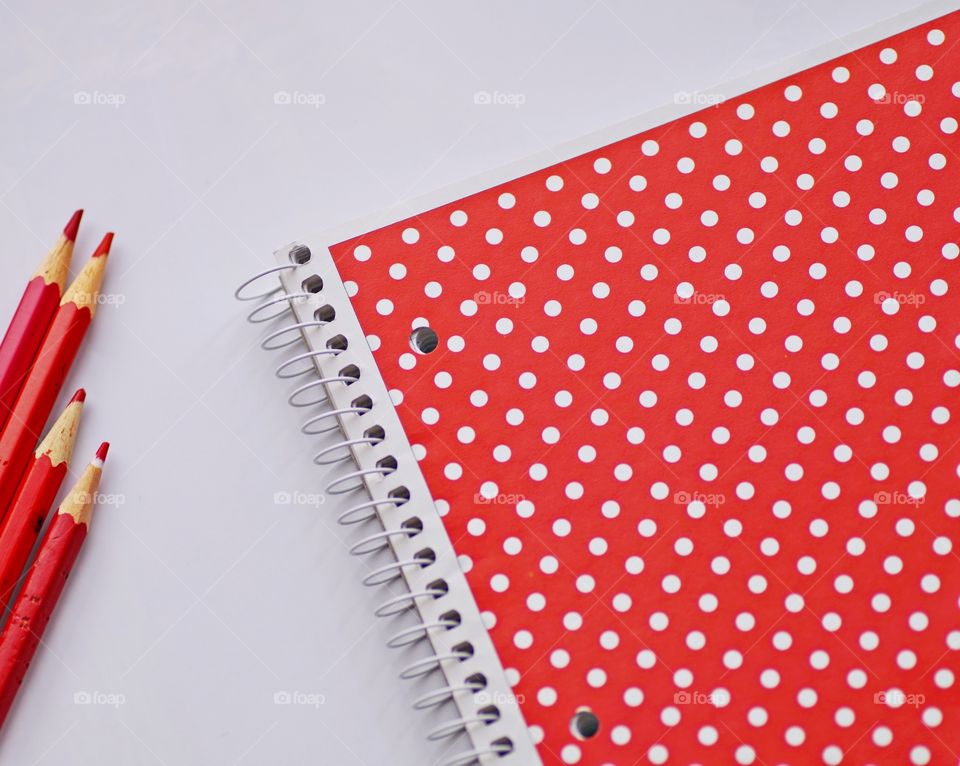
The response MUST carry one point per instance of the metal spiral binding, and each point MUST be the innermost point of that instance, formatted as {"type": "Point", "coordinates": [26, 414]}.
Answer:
{"type": "Point", "coordinates": [475, 681]}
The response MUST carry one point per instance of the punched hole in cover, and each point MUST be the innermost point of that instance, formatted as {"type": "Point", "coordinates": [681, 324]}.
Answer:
{"type": "Point", "coordinates": [312, 284]}
{"type": "Point", "coordinates": [325, 313]}
{"type": "Point", "coordinates": [300, 254]}
{"type": "Point", "coordinates": [424, 340]}
{"type": "Point", "coordinates": [388, 463]}
{"type": "Point", "coordinates": [374, 432]}
{"type": "Point", "coordinates": [504, 745]}
{"type": "Point", "coordinates": [491, 713]}
{"type": "Point", "coordinates": [363, 402]}
{"type": "Point", "coordinates": [453, 617]}
{"type": "Point", "coordinates": [584, 724]}
{"type": "Point", "coordinates": [414, 524]}
{"type": "Point", "coordinates": [352, 372]}
{"type": "Point", "coordinates": [337, 343]}
{"type": "Point", "coordinates": [477, 680]}
{"type": "Point", "coordinates": [426, 557]}
{"type": "Point", "coordinates": [400, 493]}
{"type": "Point", "coordinates": [465, 648]}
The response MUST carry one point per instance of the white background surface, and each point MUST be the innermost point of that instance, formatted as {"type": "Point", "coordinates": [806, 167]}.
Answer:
{"type": "Point", "coordinates": [198, 597]}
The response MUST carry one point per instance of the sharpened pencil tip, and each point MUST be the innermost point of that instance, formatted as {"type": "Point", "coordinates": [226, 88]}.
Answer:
{"type": "Point", "coordinates": [80, 396]}
{"type": "Point", "coordinates": [73, 225]}
{"type": "Point", "coordinates": [104, 247]}
{"type": "Point", "coordinates": [102, 452]}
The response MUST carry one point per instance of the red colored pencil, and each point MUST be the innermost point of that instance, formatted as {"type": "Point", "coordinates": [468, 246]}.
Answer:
{"type": "Point", "coordinates": [45, 580]}
{"type": "Point", "coordinates": [49, 371]}
{"type": "Point", "coordinates": [37, 306]}
{"type": "Point", "coordinates": [37, 492]}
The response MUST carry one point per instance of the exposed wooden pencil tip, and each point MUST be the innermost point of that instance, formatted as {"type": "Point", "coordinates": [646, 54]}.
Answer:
{"type": "Point", "coordinates": [102, 452]}
{"type": "Point", "coordinates": [85, 288]}
{"type": "Point", "coordinates": [82, 496]}
{"type": "Point", "coordinates": [73, 225]}
{"type": "Point", "coordinates": [58, 444]}
{"type": "Point", "coordinates": [104, 247]}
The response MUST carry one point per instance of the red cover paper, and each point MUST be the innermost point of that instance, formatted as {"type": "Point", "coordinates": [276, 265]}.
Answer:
{"type": "Point", "coordinates": [692, 421]}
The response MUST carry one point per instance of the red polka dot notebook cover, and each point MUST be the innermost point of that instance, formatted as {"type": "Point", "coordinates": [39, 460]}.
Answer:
{"type": "Point", "coordinates": [686, 405]}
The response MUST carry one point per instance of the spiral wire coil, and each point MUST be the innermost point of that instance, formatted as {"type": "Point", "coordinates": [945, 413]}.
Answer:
{"type": "Point", "coordinates": [274, 304]}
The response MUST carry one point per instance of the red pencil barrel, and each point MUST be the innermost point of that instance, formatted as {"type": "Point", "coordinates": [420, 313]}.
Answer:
{"type": "Point", "coordinates": [35, 604]}
{"type": "Point", "coordinates": [19, 531]}
{"type": "Point", "coordinates": [39, 395]}
{"type": "Point", "coordinates": [23, 338]}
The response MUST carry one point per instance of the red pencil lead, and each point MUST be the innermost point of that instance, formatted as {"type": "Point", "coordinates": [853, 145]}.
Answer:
{"type": "Point", "coordinates": [104, 247]}
{"type": "Point", "coordinates": [73, 225]}
{"type": "Point", "coordinates": [80, 396]}
{"type": "Point", "coordinates": [102, 452]}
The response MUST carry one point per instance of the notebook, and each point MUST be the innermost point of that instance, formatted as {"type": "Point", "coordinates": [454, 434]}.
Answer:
{"type": "Point", "coordinates": [660, 435]}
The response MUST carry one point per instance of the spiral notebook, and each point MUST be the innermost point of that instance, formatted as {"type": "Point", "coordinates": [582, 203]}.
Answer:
{"type": "Point", "coordinates": [662, 434]}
